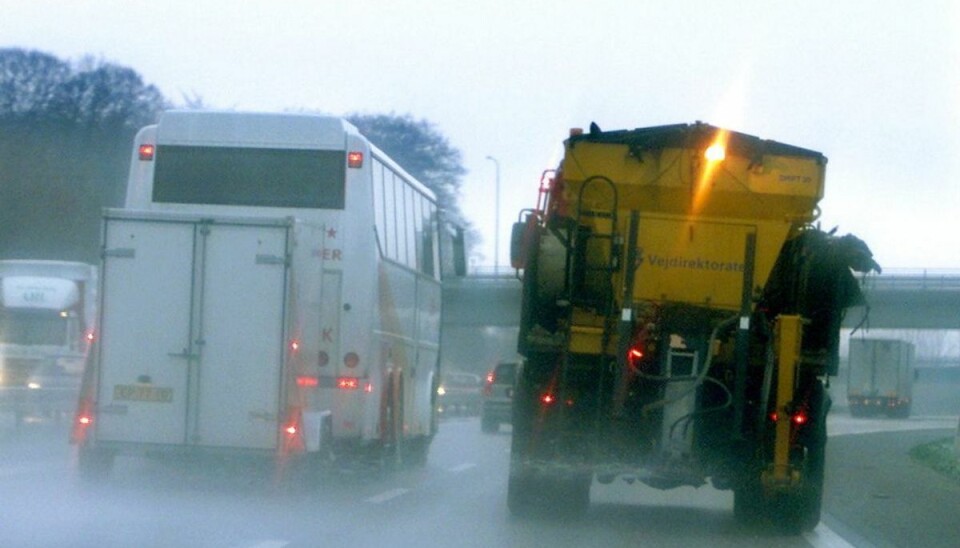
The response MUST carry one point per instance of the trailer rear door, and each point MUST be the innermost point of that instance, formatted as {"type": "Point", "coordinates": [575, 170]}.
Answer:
{"type": "Point", "coordinates": [192, 339]}
{"type": "Point", "coordinates": [145, 332]}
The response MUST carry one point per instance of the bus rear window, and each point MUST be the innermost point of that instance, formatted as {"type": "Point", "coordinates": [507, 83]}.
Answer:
{"type": "Point", "coordinates": [250, 176]}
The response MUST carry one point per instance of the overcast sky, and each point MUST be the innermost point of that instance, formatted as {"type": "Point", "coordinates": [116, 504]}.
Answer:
{"type": "Point", "coordinates": [875, 86]}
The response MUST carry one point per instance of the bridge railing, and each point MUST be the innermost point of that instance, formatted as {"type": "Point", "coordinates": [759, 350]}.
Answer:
{"type": "Point", "coordinates": [913, 279]}
{"type": "Point", "coordinates": [490, 271]}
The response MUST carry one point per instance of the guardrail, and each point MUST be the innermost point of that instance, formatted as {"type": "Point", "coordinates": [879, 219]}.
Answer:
{"type": "Point", "coordinates": [914, 279]}
{"type": "Point", "coordinates": [899, 278]}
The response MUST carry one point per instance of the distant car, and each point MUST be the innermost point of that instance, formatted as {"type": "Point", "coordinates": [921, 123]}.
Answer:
{"type": "Point", "coordinates": [459, 394]}
{"type": "Point", "coordinates": [498, 396]}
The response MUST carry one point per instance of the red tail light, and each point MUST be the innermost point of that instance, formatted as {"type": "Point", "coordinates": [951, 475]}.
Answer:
{"type": "Point", "coordinates": [547, 399]}
{"type": "Point", "coordinates": [798, 419]}
{"type": "Point", "coordinates": [146, 152]}
{"type": "Point", "coordinates": [634, 356]}
{"type": "Point", "coordinates": [82, 421]}
{"type": "Point", "coordinates": [307, 381]}
{"type": "Point", "coordinates": [291, 432]}
{"type": "Point", "coordinates": [348, 383]}
{"type": "Point", "coordinates": [354, 159]}
{"type": "Point", "coordinates": [488, 386]}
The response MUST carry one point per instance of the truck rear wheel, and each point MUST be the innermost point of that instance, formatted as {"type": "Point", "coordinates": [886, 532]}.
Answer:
{"type": "Point", "coordinates": [748, 504]}
{"type": "Point", "coordinates": [800, 511]}
{"type": "Point", "coordinates": [529, 494]}
{"type": "Point", "coordinates": [529, 491]}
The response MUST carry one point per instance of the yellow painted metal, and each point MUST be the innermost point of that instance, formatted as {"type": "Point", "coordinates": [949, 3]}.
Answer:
{"type": "Point", "coordinates": [789, 336]}
{"type": "Point", "coordinates": [585, 340]}
{"type": "Point", "coordinates": [700, 261]}
{"type": "Point", "coordinates": [680, 181]}
{"type": "Point", "coordinates": [694, 214]}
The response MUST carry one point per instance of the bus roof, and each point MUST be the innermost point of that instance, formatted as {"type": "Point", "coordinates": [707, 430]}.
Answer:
{"type": "Point", "coordinates": [263, 129]}
{"type": "Point", "coordinates": [253, 129]}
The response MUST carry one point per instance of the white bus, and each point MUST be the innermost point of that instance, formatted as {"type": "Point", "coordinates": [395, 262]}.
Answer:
{"type": "Point", "coordinates": [286, 281]}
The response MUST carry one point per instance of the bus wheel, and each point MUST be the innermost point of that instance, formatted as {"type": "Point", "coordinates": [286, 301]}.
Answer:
{"type": "Point", "coordinates": [416, 451]}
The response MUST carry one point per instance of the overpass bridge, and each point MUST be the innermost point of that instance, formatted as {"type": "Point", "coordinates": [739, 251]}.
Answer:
{"type": "Point", "coordinates": [910, 299]}
{"type": "Point", "coordinates": [914, 299]}
{"type": "Point", "coordinates": [481, 311]}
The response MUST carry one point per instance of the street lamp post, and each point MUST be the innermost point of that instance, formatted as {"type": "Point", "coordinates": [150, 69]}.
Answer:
{"type": "Point", "coordinates": [496, 220]}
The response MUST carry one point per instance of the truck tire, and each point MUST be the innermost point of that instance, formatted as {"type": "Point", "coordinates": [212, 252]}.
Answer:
{"type": "Point", "coordinates": [529, 494]}
{"type": "Point", "coordinates": [797, 512]}
{"type": "Point", "coordinates": [748, 503]}
{"type": "Point", "coordinates": [529, 490]}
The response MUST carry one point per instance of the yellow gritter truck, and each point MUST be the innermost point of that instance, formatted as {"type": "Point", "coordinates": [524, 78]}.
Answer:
{"type": "Point", "coordinates": [680, 317]}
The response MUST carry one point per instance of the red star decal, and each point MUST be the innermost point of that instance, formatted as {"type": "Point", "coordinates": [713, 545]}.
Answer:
{"type": "Point", "coordinates": [331, 233]}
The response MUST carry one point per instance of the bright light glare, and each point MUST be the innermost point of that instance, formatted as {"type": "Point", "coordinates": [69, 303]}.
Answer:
{"type": "Point", "coordinates": [441, 391]}
{"type": "Point", "coordinates": [716, 152]}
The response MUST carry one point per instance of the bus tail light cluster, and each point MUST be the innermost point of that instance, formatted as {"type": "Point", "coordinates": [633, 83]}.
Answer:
{"type": "Point", "coordinates": [82, 421]}
{"type": "Point", "coordinates": [292, 432]}
{"type": "Point", "coordinates": [146, 152]}
{"type": "Point", "coordinates": [354, 159]}
{"type": "Point", "coordinates": [306, 381]}
{"type": "Point", "coordinates": [348, 383]}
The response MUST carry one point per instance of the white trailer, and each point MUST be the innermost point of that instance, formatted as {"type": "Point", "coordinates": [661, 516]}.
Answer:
{"type": "Point", "coordinates": [880, 377]}
{"type": "Point", "coordinates": [47, 315]}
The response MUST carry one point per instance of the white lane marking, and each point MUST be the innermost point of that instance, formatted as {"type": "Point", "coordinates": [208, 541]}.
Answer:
{"type": "Point", "coordinates": [842, 425]}
{"type": "Point", "coordinates": [824, 537]}
{"type": "Point", "coordinates": [387, 495]}
{"type": "Point", "coordinates": [462, 467]}
{"type": "Point", "coordinates": [20, 470]}
{"type": "Point", "coordinates": [269, 544]}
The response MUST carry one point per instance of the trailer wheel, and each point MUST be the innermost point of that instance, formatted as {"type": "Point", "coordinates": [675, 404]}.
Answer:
{"type": "Point", "coordinates": [93, 464]}
{"type": "Point", "coordinates": [900, 412]}
{"type": "Point", "coordinates": [489, 425]}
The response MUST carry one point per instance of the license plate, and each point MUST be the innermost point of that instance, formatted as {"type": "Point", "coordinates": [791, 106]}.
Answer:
{"type": "Point", "coordinates": [135, 392]}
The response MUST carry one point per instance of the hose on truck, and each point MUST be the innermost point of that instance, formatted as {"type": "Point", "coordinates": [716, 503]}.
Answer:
{"type": "Point", "coordinates": [699, 378]}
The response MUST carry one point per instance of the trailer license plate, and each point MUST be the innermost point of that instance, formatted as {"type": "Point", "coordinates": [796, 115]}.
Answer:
{"type": "Point", "coordinates": [133, 392]}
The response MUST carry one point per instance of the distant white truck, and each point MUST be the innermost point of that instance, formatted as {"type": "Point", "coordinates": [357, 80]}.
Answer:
{"type": "Point", "coordinates": [880, 377]}
{"type": "Point", "coordinates": [47, 314]}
